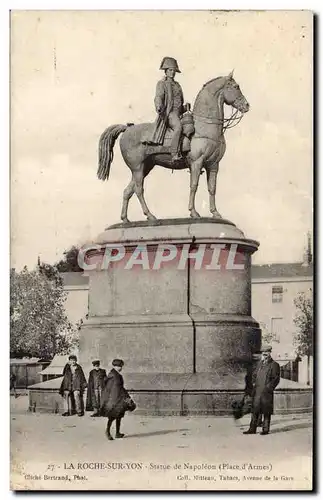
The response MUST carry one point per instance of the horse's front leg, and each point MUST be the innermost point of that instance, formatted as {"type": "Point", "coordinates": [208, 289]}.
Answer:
{"type": "Point", "coordinates": [195, 169]}
{"type": "Point", "coordinates": [211, 184]}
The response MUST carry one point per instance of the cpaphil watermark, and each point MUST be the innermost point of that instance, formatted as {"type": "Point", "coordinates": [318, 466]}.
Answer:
{"type": "Point", "coordinates": [219, 256]}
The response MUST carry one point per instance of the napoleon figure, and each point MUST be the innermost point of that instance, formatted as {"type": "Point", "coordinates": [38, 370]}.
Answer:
{"type": "Point", "coordinates": [169, 103]}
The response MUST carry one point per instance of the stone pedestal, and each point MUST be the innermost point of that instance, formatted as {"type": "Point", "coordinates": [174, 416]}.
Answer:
{"type": "Point", "coordinates": [184, 327]}
{"type": "Point", "coordinates": [175, 321]}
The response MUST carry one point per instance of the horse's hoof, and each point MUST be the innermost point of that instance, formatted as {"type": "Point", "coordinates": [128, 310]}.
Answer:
{"type": "Point", "coordinates": [151, 217]}
{"type": "Point", "coordinates": [195, 214]}
{"type": "Point", "coordinates": [216, 215]}
{"type": "Point", "coordinates": [125, 220]}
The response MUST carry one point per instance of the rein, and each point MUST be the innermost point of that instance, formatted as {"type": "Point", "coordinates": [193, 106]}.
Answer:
{"type": "Point", "coordinates": [227, 123]}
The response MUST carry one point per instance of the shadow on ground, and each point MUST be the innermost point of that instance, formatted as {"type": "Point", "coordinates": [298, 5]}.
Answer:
{"type": "Point", "coordinates": [286, 428]}
{"type": "Point", "coordinates": [276, 422]}
{"type": "Point", "coordinates": [155, 433]}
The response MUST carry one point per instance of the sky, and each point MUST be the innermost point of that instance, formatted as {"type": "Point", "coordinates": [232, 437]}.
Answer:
{"type": "Point", "coordinates": [74, 73]}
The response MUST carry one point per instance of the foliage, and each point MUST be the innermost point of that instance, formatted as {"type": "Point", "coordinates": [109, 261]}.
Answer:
{"type": "Point", "coordinates": [304, 323]}
{"type": "Point", "coordinates": [69, 262]}
{"type": "Point", "coordinates": [266, 335]}
{"type": "Point", "coordinates": [38, 322]}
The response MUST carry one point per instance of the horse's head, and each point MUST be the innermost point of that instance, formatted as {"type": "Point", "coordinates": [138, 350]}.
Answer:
{"type": "Point", "coordinates": [233, 96]}
{"type": "Point", "coordinates": [214, 94]}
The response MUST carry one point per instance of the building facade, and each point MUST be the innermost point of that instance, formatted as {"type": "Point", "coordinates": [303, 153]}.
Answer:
{"type": "Point", "coordinates": [274, 290]}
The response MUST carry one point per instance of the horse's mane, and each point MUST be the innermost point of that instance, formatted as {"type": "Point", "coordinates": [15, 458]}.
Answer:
{"type": "Point", "coordinates": [219, 83]}
{"type": "Point", "coordinates": [213, 80]}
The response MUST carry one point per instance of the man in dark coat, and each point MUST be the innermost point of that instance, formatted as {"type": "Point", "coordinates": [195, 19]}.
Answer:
{"type": "Point", "coordinates": [244, 406]}
{"type": "Point", "coordinates": [169, 102]}
{"type": "Point", "coordinates": [96, 383]}
{"type": "Point", "coordinates": [113, 399]}
{"type": "Point", "coordinates": [72, 387]}
{"type": "Point", "coordinates": [266, 377]}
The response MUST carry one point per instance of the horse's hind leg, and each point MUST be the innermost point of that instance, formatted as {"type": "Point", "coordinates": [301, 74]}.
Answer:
{"type": "Point", "coordinates": [138, 176]}
{"type": "Point", "coordinates": [127, 193]}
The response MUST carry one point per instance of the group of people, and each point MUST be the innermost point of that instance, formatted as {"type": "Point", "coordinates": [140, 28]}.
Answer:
{"type": "Point", "coordinates": [106, 395]}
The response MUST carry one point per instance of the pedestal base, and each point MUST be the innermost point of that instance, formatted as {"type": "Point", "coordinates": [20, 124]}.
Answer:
{"type": "Point", "coordinates": [185, 332]}
{"type": "Point", "coordinates": [171, 343]}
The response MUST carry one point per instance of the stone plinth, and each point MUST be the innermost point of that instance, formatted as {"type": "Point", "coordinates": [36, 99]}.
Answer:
{"type": "Point", "coordinates": [184, 327]}
{"type": "Point", "coordinates": [164, 313]}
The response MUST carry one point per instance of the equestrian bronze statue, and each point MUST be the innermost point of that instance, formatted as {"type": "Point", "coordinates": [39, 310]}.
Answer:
{"type": "Point", "coordinates": [201, 143]}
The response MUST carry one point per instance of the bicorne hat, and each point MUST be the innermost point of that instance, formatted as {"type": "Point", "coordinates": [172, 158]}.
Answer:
{"type": "Point", "coordinates": [169, 63]}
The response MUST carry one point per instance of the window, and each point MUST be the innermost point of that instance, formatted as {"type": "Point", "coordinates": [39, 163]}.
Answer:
{"type": "Point", "coordinates": [276, 328]}
{"type": "Point", "coordinates": [277, 294]}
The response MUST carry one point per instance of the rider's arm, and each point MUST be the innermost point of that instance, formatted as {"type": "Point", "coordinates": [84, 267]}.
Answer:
{"type": "Point", "coordinates": [160, 97]}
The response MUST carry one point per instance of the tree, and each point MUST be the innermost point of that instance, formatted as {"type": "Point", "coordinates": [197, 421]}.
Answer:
{"type": "Point", "coordinates": [304, 323]}
{"type": "Point", "coordinates": [266, 335]}
{"type": "Point", "coordinates": [69, 262]}
{"type": "Point", "coordinates": [38, 323]}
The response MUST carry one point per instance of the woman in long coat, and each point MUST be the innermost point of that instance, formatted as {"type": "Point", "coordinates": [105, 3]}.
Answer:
{"type": "Point", "coordinates": [114, 399]}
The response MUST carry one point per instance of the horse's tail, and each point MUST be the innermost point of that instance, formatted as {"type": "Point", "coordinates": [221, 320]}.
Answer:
{"type": "Point", "coordinates": [106, 145]}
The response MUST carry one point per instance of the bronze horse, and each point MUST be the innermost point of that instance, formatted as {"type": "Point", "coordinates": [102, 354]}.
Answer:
{"type": "Point", "coordinates": [207, 145]}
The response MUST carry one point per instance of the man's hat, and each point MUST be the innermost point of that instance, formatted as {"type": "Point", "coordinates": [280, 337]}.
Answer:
{"type": "Point", "coordinates": [96, 362]}
{"type": "Point", "coordinates": [169, 63]}
{"type": "Point", "coordinates": [266, 348]}
{"type": "Point", "coordinates": [117, 362]}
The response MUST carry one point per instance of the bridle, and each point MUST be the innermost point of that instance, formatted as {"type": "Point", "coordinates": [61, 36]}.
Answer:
{"type": "Point", "coordinates": [233, 120]}
{"type": "Point", "coordinates": [227, 123]}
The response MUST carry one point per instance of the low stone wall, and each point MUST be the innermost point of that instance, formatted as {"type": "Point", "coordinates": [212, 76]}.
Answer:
{"type": "Point", "coordinates": [181, 400]}
{"type": "Point", "coordinates": [46, 401]}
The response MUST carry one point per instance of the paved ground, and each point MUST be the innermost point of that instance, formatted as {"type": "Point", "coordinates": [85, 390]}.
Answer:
{"type": "Point", "coordinates": [171, 453]}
